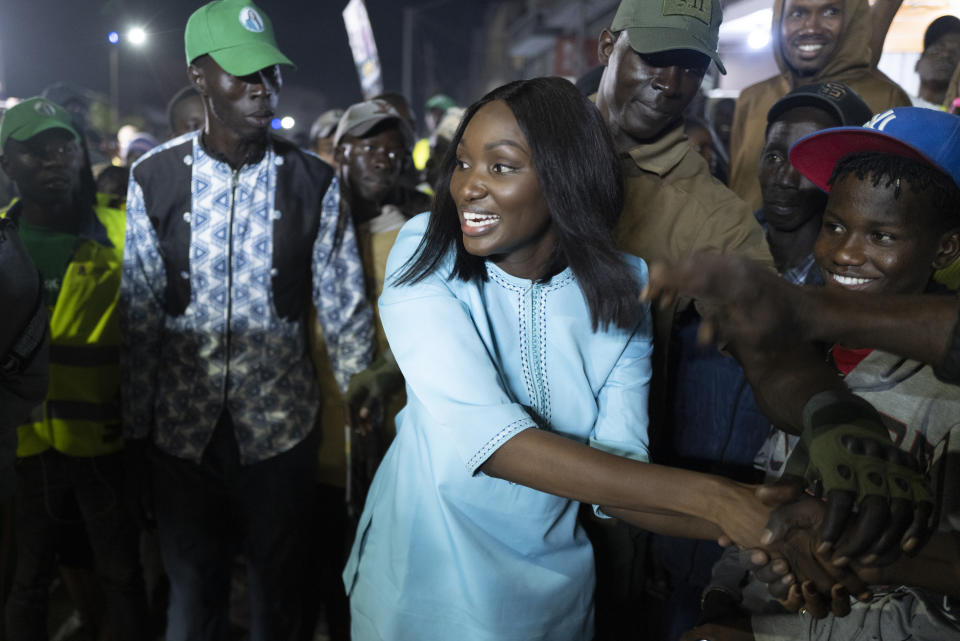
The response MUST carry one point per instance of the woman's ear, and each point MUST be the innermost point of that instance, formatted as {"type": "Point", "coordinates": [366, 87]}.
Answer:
{"type": "Point", "coordinates": [948, 249]}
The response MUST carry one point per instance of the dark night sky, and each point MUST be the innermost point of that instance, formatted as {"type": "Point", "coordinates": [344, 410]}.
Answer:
{"type": "Point", "coordinates": [42, 41]}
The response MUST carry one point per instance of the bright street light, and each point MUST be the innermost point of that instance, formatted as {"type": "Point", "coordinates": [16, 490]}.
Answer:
{"type": "Point", "coordinates": [137, 36]}
{"type": "Point", "coordinates": [287, 122]}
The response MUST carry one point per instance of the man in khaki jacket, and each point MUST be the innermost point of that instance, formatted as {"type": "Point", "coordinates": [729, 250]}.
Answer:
{"type": "Point", "coordinates": [813, 41]}
{"type": "Point", "coordinates": [655, 55]}
{"type": "Point", "coordinates": [655, 59]}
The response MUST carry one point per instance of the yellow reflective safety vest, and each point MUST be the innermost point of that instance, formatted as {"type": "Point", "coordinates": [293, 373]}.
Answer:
{"type": "Point", "coordinates": [81, 415]}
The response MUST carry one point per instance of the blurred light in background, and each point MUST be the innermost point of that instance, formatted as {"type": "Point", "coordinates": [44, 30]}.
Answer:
{"type": "Point", "coordinates": [137, 36]}
{"type": "Point", "coordinates": [113, 37]}
{"type": "Point", "coordinates": [758, 39]}
{"type": "Point", "coordinates": [287, 122]}
{"type": "Point", "coordinates": [276, 123]}
{"type": "Point", "coordinates": [752, 28]}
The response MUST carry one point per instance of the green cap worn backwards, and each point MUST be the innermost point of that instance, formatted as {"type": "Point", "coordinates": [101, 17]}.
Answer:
{"type": "Point", "coordinates": [28, 118]}
{"type": "Point", "coordinates": [660, 25]}
{"type": "Point", "coordinates": [236, 34]}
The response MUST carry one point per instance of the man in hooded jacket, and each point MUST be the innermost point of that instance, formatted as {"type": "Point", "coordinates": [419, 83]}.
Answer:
{"type": "Point", "coordinates": [813, 41]}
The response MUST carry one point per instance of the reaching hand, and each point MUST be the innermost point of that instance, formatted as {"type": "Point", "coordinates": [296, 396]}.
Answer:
{"type": "Point", "coordinates": [845, 447]}
{"type": "Point", "coordinates": [749, 305]}
{"type": "Point", "coordinates": [369, 388]}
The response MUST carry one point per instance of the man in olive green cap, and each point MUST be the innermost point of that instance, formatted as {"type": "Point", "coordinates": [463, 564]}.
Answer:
{"type": "Point", "coordinates": [656, 53]}
{"type": "Point", "coordinates": [233, 234]}
{"type": "Point", "coordinates": [655, 56]}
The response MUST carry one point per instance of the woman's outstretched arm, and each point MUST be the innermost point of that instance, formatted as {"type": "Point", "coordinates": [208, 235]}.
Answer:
{"type": "Point", "coordinates": [664, 499]}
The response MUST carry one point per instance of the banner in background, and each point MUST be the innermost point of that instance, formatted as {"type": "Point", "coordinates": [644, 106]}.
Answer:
{"type": "Point", "coordinates": [364, 48]}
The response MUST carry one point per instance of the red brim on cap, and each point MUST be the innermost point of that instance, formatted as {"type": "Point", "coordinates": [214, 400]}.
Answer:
{"type": "Point", "coordinates": [815, 156]}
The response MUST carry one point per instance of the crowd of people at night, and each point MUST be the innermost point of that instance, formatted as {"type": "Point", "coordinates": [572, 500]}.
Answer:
{"type": "Point", "coordinates": [590, 359]}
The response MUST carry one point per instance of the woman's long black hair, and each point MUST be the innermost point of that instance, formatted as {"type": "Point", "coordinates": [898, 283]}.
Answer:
{"type": "Point", "coordinates": [579, 175]}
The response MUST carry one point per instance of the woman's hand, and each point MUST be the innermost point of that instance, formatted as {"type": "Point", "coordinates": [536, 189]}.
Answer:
{"type": "Point", "coordinates": [741, 515]}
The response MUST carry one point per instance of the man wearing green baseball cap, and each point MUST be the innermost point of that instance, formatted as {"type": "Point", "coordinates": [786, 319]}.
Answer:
{"type": "Point", "coordinates": [234, 234]}
{"type": "Point", "coordinates": [71, 451]}
{"type": "Point", "coordinates": [655, 54]}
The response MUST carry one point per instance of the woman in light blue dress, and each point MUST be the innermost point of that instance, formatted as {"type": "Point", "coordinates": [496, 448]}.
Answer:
{"type": "Point", "coordinates": [527, 361]}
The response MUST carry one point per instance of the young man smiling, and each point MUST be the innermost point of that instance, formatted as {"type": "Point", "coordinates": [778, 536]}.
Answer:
{"type": "Point", "coordinates": [232, 235]}
{"type": "Point", "coordinates": [891, 220]}
{"type": "Point", "coordinates": [813, 41]}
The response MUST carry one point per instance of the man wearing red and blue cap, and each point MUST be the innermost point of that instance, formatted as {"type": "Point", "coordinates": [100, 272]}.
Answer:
{"type": "Point", "coordinates": [232, 235]}
{"type": "Point", "coordinates": [891, 220]}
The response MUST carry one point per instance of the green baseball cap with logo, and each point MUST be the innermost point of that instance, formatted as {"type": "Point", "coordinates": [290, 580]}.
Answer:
{"type": "Point", "coordinates": [661, 25]}
{"type": "Point", "coordinates": [237, 34]}
{"type": "Point", "coordinates": [28, 118]}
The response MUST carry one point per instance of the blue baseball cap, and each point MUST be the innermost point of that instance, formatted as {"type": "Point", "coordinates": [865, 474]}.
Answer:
{"type": "Point", "coordinates": [926, 135]}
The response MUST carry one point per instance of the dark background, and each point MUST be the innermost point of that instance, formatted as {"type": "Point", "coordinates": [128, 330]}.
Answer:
{"type": "Point", "coordinates": [43, 41]}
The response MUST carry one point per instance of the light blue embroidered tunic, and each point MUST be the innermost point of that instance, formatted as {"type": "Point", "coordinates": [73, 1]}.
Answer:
{"type": "Point", "coordinates": [444, 552]}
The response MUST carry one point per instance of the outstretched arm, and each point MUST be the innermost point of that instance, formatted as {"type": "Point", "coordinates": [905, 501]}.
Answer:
{"type": "Point", "coordinates": [770, 325]}
{"type": "Point", "coordinates": [433, 334]}
{"type": "Point", "coordinates": [683, 503]}
{"type": "Point", "coordinates": [762, 311]}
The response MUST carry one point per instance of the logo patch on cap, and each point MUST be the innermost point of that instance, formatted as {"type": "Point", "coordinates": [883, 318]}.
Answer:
{"type": "Point", "coordinates": [45, 109]}
{"type": "Point", "coordinates": [699, 9]}
{"type": "Point", "coordinates": [833, 90]}
{"type": "Point", "coordinates": [881, 120]}
{"type": "Point", "coordinates": [251, 20]}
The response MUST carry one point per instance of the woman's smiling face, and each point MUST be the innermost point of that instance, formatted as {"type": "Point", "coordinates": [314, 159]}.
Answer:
{"type": "Point", "coordinates": [503, 214]}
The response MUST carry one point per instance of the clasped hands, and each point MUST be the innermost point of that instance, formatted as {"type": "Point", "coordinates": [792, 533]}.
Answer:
{"type": "Point", "coordinates": [871, 502]}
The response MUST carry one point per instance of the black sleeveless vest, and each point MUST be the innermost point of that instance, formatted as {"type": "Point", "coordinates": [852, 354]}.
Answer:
{"type": "Point", "coordinates": [302, 181]}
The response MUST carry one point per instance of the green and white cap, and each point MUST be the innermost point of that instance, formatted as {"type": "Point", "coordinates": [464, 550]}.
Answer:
{"type": "Point", "coordinates": [28, 118]}
{"type": "Point", "coordinates": [653, 26]}
{"type": "Point", "coordinates": [237, 34]}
